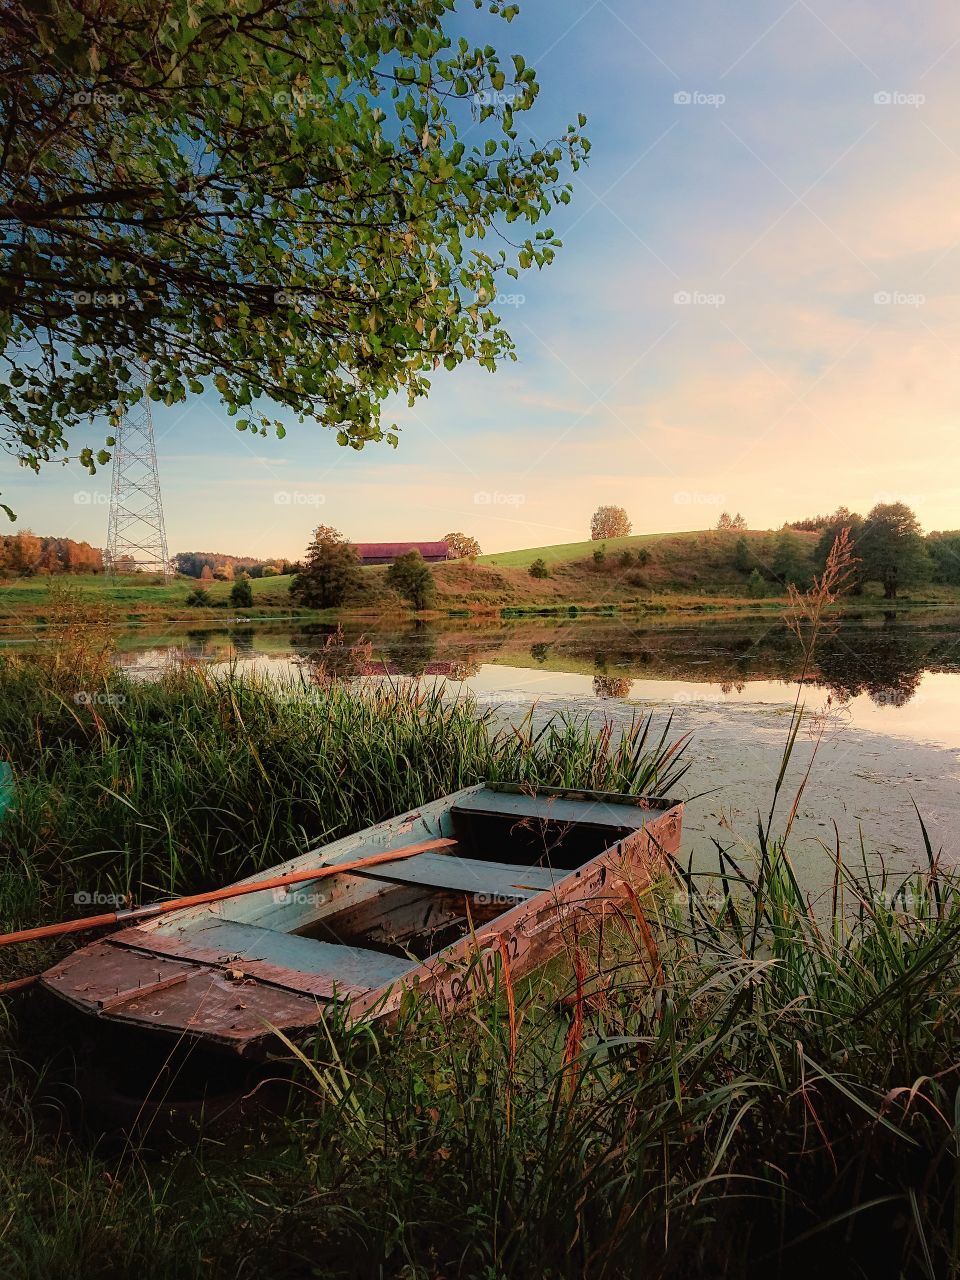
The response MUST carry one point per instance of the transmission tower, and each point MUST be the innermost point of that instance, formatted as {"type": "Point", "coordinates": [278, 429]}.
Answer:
{"type": "Point", "coordinates": [136, 538]}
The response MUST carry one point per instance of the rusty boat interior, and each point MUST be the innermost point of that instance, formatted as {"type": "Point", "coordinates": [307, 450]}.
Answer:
{"type": "Point", "coordinates": [232, 972]}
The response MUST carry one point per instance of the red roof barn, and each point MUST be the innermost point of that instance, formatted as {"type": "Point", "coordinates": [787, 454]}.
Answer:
{"type": "Point", "coordinates": [387, 552]}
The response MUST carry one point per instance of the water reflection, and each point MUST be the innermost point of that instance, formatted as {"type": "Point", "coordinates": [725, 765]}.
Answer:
{"type": "Point", "coordinates": [882, 658]}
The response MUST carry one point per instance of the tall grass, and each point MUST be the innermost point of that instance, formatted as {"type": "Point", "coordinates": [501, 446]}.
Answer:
{"type": "Point", "coordinates": [724, 1080]}
{"type": "Point", "coordinates": [187, 783]}
{"type": "Point", "coordinates": [749, 1091]}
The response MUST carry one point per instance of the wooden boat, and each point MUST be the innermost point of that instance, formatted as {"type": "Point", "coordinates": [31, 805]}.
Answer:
{"type": "Point", "coordinates": [529, 867]}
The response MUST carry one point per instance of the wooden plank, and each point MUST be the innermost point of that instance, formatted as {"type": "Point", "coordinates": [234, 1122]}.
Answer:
{"type": "Point", "coordinates": [584, 812]}
{"type": "Point", "coordinates": [468, 875]}
{"type": "Point", "coordinates": [211, 1004]}
{"type": "Point", "coordinates": [269, 953]}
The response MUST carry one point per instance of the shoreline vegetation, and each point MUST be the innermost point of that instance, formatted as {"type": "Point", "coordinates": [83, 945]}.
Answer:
{"type": "Point", "coordinates": [691, 573]}
{"type": "Point", "coordinates": [730, 1079]}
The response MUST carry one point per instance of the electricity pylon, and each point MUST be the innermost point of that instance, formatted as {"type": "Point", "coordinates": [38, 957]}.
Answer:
{"type": "Point", "coordinates": [136, 538]}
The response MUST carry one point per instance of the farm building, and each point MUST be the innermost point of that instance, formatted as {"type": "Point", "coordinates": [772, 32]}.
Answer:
{"type": "Point", "coordinates": [387, 552]}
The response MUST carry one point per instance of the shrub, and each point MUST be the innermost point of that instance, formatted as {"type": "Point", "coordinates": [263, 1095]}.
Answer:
{"type": "Point", "coordinates": [410, 576]}
{"type": "Point", "coordinates": [199, 599]}
{"type": "Point", "coordinates": [241, 594]}
{"type": "Point", "coordinates": [626, 558]}
{"type": "Point", "coordinates": [600, 554]}
{"type": "Point", "coordinates": [539, 568]}
{"type": "Point", "coordinates": [742, 559]}
{"type": "Point", "coordinates": [639, 580]}
{"type": "Point", "coordinates": [756, 585]}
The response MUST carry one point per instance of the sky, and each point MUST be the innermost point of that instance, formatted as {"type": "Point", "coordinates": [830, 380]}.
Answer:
{"type": "Point", "coordinates": [755, 308]}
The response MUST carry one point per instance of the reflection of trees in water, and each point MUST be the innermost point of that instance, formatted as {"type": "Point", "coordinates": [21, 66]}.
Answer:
{"type": "Point", "coordinates": [464, 667]}
{"type": "Point", "coordinates": [337, 658]}
{"type": "Point", "coordinates": [728, 686]}
{"type": "Point", "coordinates": [410, 653]}
{"type": "Point", "coordinates": [886, 665]}
{"type": "Point", "coordinates": [611, 686]}
{"type": "Point", "coordinates": [242, 640]}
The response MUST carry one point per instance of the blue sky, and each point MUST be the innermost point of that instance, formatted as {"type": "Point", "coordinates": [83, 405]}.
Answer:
{"type": "Point", "coordinates": [756, 305]}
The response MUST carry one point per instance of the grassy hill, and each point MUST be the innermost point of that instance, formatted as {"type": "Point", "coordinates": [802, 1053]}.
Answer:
{"type": "Point", "coordinates": [633, 570]}
{"type": "Point", "coordinates": [567, 552]}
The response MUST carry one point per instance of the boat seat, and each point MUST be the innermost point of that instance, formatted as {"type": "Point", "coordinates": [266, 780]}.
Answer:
{"type": "Point", "coordinates": [214, 940]}
{"type": "Point", "coordinates": [468, 875]}
{"type": "Point", "coordinates": [584, 812]}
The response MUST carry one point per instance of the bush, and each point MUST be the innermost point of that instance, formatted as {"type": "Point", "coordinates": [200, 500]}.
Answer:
{"type": "Point", "coordinates": [199, 599]}
{"type": "Point", "coordinates": [241, 594]}
{"type": "Point", "coordinates": [539, 568]}
{"type": "Point", "coordinates": [756, 584]}
{"type": "Point", "coordinates": [639, 580]}
{"type": "Point", "coordinates": [600, 554]}
{"type": "Point", "coordinates": [410, 576]}
{"type": "Point", "coordinates": [626, 558]}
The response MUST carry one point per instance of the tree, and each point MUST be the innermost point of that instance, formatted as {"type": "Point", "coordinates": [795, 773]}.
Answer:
{"type": "Point", "coordinates": [410, 576]}
{"type": "Point", "coordinates": [789, 565]}
{"type": "Point", "coordinates": [892, 550]}
{"type": "Point", "coordinates": [538, 568]}
{"type": "Point", "coordinates": [756, 586]}
{"type": "Point", "coordinates": [330, 571]}
{"type": "Point", "coordinates": [944, 549]}
{"type": "Point", "coordinates": [830, 529]}
{"type": "Point", "coordinates": [609, 522]}
{"type": "Point", "coordinates": [743, 559]}
{"type": "Point", "coordinates": [462, 546]}
{"type": "Point", "coordinates": [284, 200]}
{"type": "Point", "coordinates": [727, 521]}
{"type": "Point", "coordinates": [241, 593]}
{"type": "Point", "coordinates": [206, 574]}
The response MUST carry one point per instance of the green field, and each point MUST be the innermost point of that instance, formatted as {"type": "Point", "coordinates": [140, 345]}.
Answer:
{"type": "Point", "coordinates": [136, 592]}
{"type": "Point", "coordinates": [568, 552]}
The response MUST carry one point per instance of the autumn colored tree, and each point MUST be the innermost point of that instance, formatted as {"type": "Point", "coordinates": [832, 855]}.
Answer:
{"type": "Point", "coordinates": [285, 200]}
{"type": "Point", "coordinates": [609, 522]}
{"type": "Point", "coordinates": [727, 521]}
{"type": "Point", "coordinates": [462, 546]}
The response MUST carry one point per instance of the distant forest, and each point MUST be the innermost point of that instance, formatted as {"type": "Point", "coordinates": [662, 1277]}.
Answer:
{"type": "Point", "coordinates": [215, 564]}
{"type": "Point", "coordinates": [27, 554]}
{"type": "Point", "coordinates": [24, 554]}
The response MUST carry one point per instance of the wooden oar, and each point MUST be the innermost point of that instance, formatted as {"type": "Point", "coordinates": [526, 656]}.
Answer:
{"type": "Point", "coordinates": [126, 914]}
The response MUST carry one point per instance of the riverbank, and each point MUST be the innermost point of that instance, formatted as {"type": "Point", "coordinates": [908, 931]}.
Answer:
{"type": "Point", "coordinates": [730, 1088]}
{"type": "Point", "coordinates": [697, 572]}
{"type": "Point", "coordinates": [30, 603]}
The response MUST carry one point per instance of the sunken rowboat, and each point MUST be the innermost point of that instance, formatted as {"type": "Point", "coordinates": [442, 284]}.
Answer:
{"type": "Point", "coordinates": [521, 874]}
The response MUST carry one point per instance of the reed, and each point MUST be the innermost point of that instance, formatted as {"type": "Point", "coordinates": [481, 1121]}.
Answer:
{"type": "Point", "coordinates": [732, 1080]}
